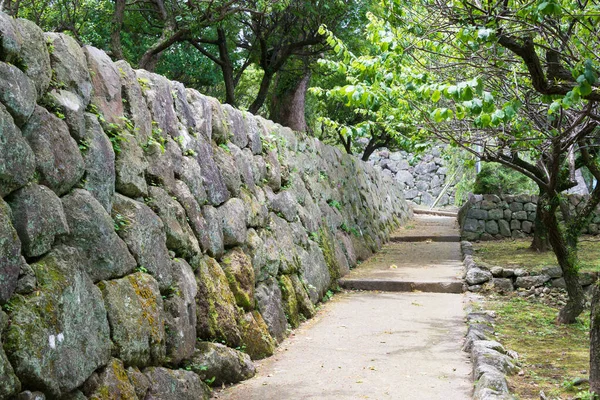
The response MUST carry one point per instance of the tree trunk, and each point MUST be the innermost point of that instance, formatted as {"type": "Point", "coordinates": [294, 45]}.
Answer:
{"type": "Point", "coordinates": [115, 34]}
{"type": "Point", "coordinates": [566, 254]}
{"type": "Point", "coordinates": [540, 241]}
{"type": "Point", "coordinates": [265, 84]}
{"type": "Point", "coordinates": [288, 101]}
{"type": "Point", "coordinates": [595, 342]}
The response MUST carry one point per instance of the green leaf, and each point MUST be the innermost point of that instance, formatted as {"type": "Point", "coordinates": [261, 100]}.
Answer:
{"type": "Point", "coordinates": [585, 88]}
{"type": "Point", "coordinates": [486, 119]}
{"type": "Point", "coordinates": [435, 96]}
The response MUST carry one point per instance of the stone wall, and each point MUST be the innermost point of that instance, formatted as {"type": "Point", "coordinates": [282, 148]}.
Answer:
{"type": "Point", "coordinates": [140, 221]}
{"type": "Point", "coordinates": [422, 177]}
{"type": "Point", "coordinates": [489, 217]}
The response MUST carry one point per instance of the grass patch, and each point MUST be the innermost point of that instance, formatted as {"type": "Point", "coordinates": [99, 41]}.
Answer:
{"type": "Point", "coordinates": [552, 356]}
{"type": "Point", "coordinates": [516, 254]}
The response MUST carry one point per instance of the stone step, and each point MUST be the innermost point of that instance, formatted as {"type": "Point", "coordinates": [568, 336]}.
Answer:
{"type": "Point", "coordinates": [402, 285]}
{"type": "Point", "coordinates": [424, 238]}
{"type": "Point", "coordinates": [424, 211]}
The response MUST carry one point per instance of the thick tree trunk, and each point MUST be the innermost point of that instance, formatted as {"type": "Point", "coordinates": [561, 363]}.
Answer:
{"type": "Point", "coordinates": [288, 101]}
{"type": "Point", "coordinates": [595, 342]}
{"type": "Point", "coordinates": [115, 34]}
{"type": "Point", "coordinates": [540, 241]}
{"type": "Point", "coordinates": [566, 254]}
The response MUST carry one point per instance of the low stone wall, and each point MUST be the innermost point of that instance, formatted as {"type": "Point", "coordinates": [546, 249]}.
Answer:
{"type": "Point", "coordinates": [140, 220]}
{"type": "Point", "coordinates": [489, 217]}
{"type": "Point", "coordinates": [421, 177]}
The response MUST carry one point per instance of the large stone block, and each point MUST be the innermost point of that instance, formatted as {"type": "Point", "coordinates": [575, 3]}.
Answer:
{"type": "Point", "coordinates": [137, 110]}
{"type": "Point", "coordinates": [233, 214]}
{"type": "Point", "coordinates": [11, 261]}
{"type": "Point", "coordinates": [220, 363]}
{"type": "Point", "coordinates": [17, 93]}
{"type": "Point", "coordinates": [144, 234]}
{"type": "Point", "coordinates": [38, 217]}
{"type": "Point", "coordinates": [255, 336]}
{"type": "Point", "coordinates": [92, 232]}
{"type": "Point", "coordinates": [34, 54]}
{"type": "Point", "coordinates": [58, 160]}
{"type": "Point", "coordinates": [268, 299]}
{"type": "Point", "coordinates": [110, 383]}
{"type": "Point", "coordinates": [60, 334]}
{"type": "Point", "coordinates": [69, 65]}
{"type": "Point", "coordinates": [240, 275]}
{"type": "Point", "coordinates": [17, 161]}
{"type": "Point", "coordinates": [157, 92]}
{"type": "Point", "coordinates": [168, 384]}
{"type": "Point", "coordinates": [211, 175]}
{"type": "Point", "coordinates": [106, 85]}
{"type": "Point", "coordinates": [137, 324]}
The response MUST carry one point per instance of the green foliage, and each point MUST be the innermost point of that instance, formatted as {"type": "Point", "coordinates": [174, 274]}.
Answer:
{"type": "Point", "coordinates": [499, 180]}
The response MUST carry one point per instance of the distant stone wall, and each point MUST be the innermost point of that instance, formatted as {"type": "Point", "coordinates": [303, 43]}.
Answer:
{"type": "Point", "coordinates": [421, 177]}
{"type": "Point", "coordinates": [489, 217]}
{"type": "Point", "coordinates": [140, 220]}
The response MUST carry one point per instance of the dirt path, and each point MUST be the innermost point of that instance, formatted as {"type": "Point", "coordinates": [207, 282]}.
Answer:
{"type": "Point", "coordinates": [377, 345]}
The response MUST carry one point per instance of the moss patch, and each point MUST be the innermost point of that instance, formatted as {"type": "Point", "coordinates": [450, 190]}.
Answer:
{"type": "Point", "coordinates": [551, 355]}
{"type": "Point", "coordinates": [516, 254]}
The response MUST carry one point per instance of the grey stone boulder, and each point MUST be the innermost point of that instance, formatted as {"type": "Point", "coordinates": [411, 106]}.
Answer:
{"type": "Point", "coordinates": [164, 162]}
{"type": "Point", "coordinates": [256, 127]}
{"type": "Point", "coordinates": [233, 214]}
{"type": "Point", "coordinates": [273, 170]}
{"type": "Point", "coordinates": [270, 254]}
{"type": "Point", "coordinates": [58, 160]}
{"type": "Point", "coordinates": [477, 276]}
{"type": "Point", "coordinates": [29, 395]}
{"type": "Point", "coordinates": [211, 175]}
{"type": "Point", "coordinates": [17, 93]}
{"type": "Point", "coordinates": [180, 313]}
{"type": "Point", "coordinates": [255, 336]}
{"type": "Point", "coordinates": [180, 237]}
{"type": "Point", "coordinates": [191, 175]}
{"type": "Point", "coordinates": [92, 231]}
{"type": "Point", "coordinates": [138, 324]}
{"type": "Point", "coordinates": [10, 47]}
{"type": "Point", "coordinates": [240, 275]}
{"type": "Point", "coordinates": [256, 211]}
{"type": "Point", "coordinates": [201, 112]}
{"type": "Point", "coordinates": [529, 281]}
{"type": "Point", "coordinates": [72, 108]}
{"type": "Point", "coordinates": [244, 161]}
{"type": "Point", "coordinates": [17, 161]}
{"type": "Point", "coordinates": [168, 384]}
{"type": "Point", "coordinates": [305, 305]}
{"type": "Point", "coordinates": [193, 213]}
{"type": "Point", "coordinates": [216, 310]}
{"type": "Point", "coordinates": [559, 283]}
{"type": "Point", "coordinates": [269, 302]}
{"type": "Point", "coordinates": [284, 237]}
{"type": "Point", "coordinates": [157, 92]}
{"type": "Point", "coordinates": [130, 167]}
{"type": "Point", "coordinates": [99, 160]}
{"type": "Point", "coordinates": [504, 228]}
{"type": "Point", "coordinates": [136, 108]}
{"type": "Point", "coordinates": [284, 203]}
{"type": "Point", "coordinates": [504, 285]}
{"type": "Point", "coordinates": [38, 217]}
{"type": "Point", "coordinates": [237, 122]}
{"type": "Point", "coordinates": [11, 261]}
{"type": "Point", "coordinates": [144, 234]}
{"type": "Point", "coordinates": [483, 356]}
{"type": "Point", "coordinates": [220, 133]}
{"type": "Point", "coordinates": [214, 223]}
{"type": "Point", "coordinates": [491, 227]}
{"type": "Point", "coordinates": [69, 65]}
{"type": "Point", "coordinates": [111, 382]}
{"type": "Point", "coordinates": [491, 386]}
{"type": "Point", "coordinates": [314, 272]}
{"type": "Point", "coordinates": [44, 343]}
{"type": "Point", "coordinates": [34, 54]}
{"type": "Point", "coordinates": [221, 363]}
{"type": "Point", "coordinates": [106, 85]}
{"type": "Point", "coordinates": [9, 383]}
{"type": "Point", "coordinates": [227, 165]}
{"type": "Point", "coordinates": [553, 271]}
{"type": "Point", "coordinates": [185, 114]}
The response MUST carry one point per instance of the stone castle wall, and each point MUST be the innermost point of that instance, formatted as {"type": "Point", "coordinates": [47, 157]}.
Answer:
{"type": "Point", "coordinates": [489, 217]}
{"type": "Point", "coordinates": [422, 178]}
{"type": "Point", "coordinates": [140, 221]}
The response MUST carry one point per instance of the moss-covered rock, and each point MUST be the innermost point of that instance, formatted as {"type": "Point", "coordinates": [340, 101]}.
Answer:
{"type": "Point", "coordinates": [110, 383]}
{"type": "Point", "coordinates": [11, 261]}
{"type": "Point", "coordinates": [255, 336]}
{"type": "Point", "coordinates": [217, 313]}
{"type": "Point", "coordinates": [138, 323]}
{"type": "Point", "coordinates": [168, 384]}
{"type": "Point", "coordinates": [60, 334]}
{"type": "Point", "coordinates": [314, 271]}
{"type": "Point", "coordinates": [214, 231]}
{"type": "Point", "coordinates": [9, 383]}
{"type": "Point", "coordinates": [18, 93]}
{"type": "Point", "coordinates": [290, 301]}
{"type": "Point", "coordinates": [305, 306]}
{"type": "Point", "coordinates": [240, 275]}
{"type": "Point", "coordinates": [220, 364]}
{"type": "Point", "coordinates": [269, 302]}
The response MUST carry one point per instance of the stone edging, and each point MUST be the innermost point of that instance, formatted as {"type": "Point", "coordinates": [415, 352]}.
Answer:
{"type": "Point", "coordinates": [491, 361]}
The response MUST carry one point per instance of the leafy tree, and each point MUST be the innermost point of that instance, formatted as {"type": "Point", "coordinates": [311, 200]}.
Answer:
{"type": "Point", "coordinates": [500, 180]}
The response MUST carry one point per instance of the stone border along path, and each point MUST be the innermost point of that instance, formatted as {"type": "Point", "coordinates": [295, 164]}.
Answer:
{"type": "Point", "coordinates": [381, 344]}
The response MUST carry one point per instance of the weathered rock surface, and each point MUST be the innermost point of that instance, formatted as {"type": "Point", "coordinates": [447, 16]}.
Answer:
{"type": "Point", "coordinates": [38, 217]}
{"type": "Point", "coordinates": [9, 383]}
{"type": "Point", "coordinates": [144, 234]}
{"type": "Point", "coordinates": [44, 342]}
{"type": "Point", "coordinates": [136, 107]}
{"type": "Point", "coordinates": [110, 383]}
{"type": "Point", "coordinates": [17, 93]}
{"type": "Point", "coordinates": [233, 215]}
{"type": "Point", "coordinates": [138, 324]}
{"type": "Point", "coordinates": [106, 85]}
{"type": "Point", "coordinates": [58, 160]}
{"type": "Point", "coordinates": [168, 384]}
{"type": "Point", "coordinates": [17, 161]}
{"type": "Point", "coordinates": [34, 54]}
{"type": "Point", "coordinates": [214, 223]}
{"type": "Point", "coordinates": [240, 275]}
{"type": "Point", "coordinates": [11, 261]}
{"type": "Point", "coordinates": [268, 299]}
{"type": "Point", "coordinates": [224, 364]}
{"type": "Point", "coordinates": [92, 232]}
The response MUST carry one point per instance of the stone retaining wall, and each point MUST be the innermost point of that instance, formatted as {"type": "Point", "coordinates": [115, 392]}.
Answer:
{"type": "Point", "coordinates": [421, 177]}
{"type": "Point", "coordinates": [489, 217]}
{"type": "Point", "coordinates": [140, 220]}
